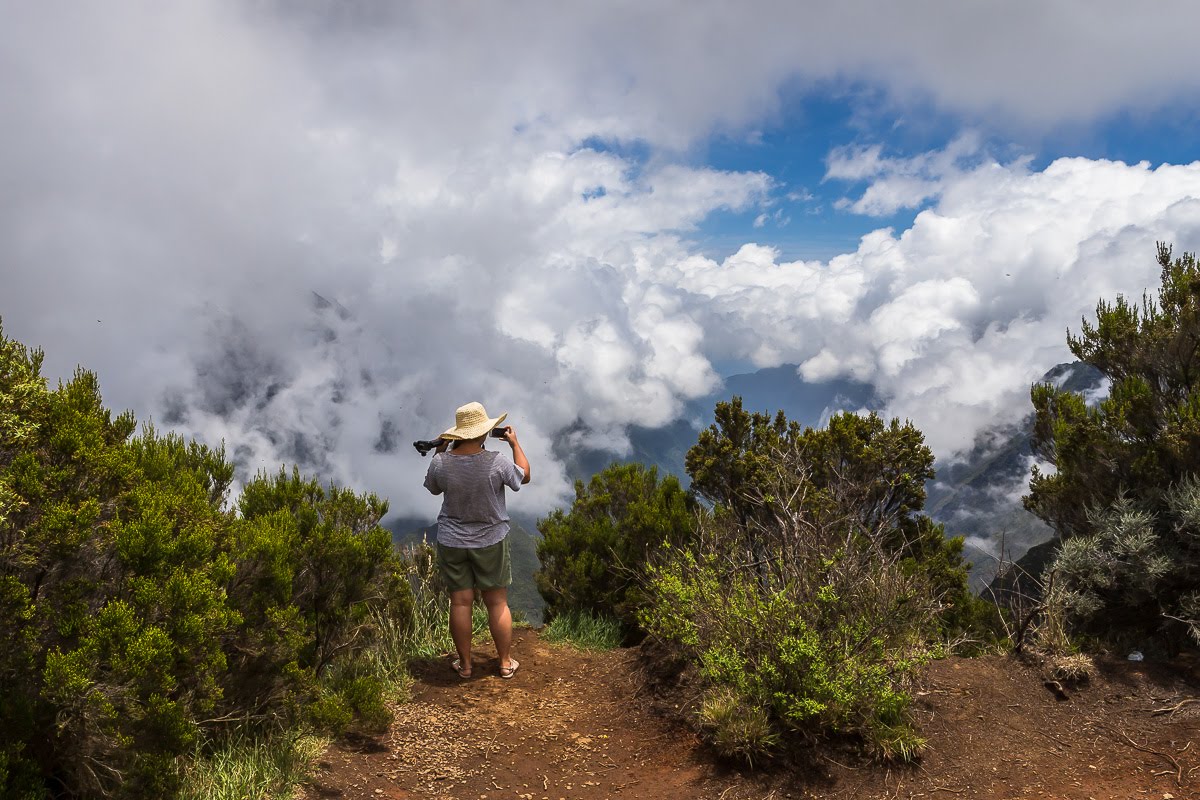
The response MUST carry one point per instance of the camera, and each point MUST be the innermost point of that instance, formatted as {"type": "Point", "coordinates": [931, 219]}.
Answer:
{"type": "Point", "coordinates": [432, 444]}
{"type": "Point", "coordinates": [425, 446]}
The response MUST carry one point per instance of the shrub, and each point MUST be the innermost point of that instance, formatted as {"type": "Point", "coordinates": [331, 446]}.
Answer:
{"type": "Point", "coordinates": [815, 590]}
{"type": "Point", "coordinates": [859, 472]}
{"type": "Point", "coordinates": [139, 616]}
{"type": "Point", "coordinates": [1129, 552]}
{"type": "Point", "coordinates": [1130, 582]}
{"type": "Point", "coordinates": [316, 574]}
{"type": "Point", "coordinates": [112, 587]}
{"type": "Point", "coordinates": [593, 556]}
{"type": "Point", "coordinates": [827, 649]}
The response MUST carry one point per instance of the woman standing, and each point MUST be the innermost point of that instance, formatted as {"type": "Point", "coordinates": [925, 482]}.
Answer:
{"type": "Point", "coordinates": [472, 540]}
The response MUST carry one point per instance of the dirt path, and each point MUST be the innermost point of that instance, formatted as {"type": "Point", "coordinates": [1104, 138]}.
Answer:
{"type": "Point", "coordinates": [563, 727]}
{"type": "Point", "coordinates": [571, 725]}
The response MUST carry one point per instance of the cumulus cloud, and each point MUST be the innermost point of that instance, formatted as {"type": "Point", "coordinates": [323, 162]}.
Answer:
{"type": "Point", "coordinates": [313, 229]}
{"type": "Point", "coordinates": [897, 183]}
{"type": "Point", "coordinates": [954, 317]}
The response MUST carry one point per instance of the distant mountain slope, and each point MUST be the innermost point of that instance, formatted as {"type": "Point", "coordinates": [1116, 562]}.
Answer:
{"type": "Point", "coordinates": [768, 390]}
{"type": "Point", "coordinates": [979, 496]}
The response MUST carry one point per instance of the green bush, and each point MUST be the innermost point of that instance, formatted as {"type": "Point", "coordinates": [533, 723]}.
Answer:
{"type": "Point", "coordinates": [815, 590]}
{"type": "Point", "coordinates": [593, 556]}
{"type": "Point", "coordinates": [1127, 583]}
{"type": "Point", "coordinates": [139, 617]}
{"type": "Point", "coordinates": [113, 588]}
{"type": "Point", "coordinates": [1129, 552]}
{"type": "Point", "coordinates": [830, 654]}
{"type": "Point", "coordinates": [315, 572]}
{"type": "Point", "coordinates": [859, 472]}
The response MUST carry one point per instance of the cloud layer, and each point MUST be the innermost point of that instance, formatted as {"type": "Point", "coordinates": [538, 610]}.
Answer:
{"type": "Point", "coordinates": [312, 234]}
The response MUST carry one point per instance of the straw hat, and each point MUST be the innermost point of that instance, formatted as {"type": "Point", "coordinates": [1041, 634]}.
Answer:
{"type": "Point", "coordinates": [471, 421]}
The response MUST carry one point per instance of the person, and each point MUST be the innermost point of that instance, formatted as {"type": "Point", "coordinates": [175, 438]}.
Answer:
{"type": "Point", "coordinates": [472, 538]}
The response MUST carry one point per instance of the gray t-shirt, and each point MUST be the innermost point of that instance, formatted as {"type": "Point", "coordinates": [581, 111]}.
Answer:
{"type": "Point", "coordinates": [473, 512]}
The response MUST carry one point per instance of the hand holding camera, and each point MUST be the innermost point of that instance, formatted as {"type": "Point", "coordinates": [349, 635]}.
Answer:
{"type": "Point", "coordinates": [503, 432]}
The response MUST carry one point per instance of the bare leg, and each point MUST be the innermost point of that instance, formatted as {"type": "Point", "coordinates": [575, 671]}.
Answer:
{"type": "Point", "coordinates": [500, 623]}
{"type": "Point", "coordinates": [460, 624]}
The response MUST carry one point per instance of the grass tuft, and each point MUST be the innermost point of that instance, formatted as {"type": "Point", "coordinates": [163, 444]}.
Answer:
{"type": "Point", "coordinates": [584, 630]}
{"type": "Point", "coordinates": [430, 634]}
{"type": "Point", "coordinates": [898, 742]}
{"type": "Point", "coordinates": [244, 768]}
{"type": "Point", "coordinates": [1069, 667]}
{"type": "Point", "coordinates": [737, 730]}
{"type": "Point", "coordinates": [389, 656]}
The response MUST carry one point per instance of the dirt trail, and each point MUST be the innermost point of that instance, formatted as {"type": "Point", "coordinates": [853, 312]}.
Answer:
{"type": "Point", "coordinates": [562, 727]}
{"type": "Point", "coordinates": [572, 725]}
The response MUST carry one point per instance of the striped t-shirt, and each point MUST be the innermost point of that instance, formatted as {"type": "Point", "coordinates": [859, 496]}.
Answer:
{"type": "Point", "coordinates": [473, 512]}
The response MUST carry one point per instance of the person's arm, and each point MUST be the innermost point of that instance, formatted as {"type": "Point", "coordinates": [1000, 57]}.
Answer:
{"type": "Point", "coordinates": [431, 474]}
{"type": "Point", "coordinates": [518, 455]}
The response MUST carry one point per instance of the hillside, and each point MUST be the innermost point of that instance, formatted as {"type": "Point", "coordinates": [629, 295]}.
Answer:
{"type": "Point", "coordinates": [979, 495]}
{"type": "Point", "coordinates": [771, 389]}
{"type": "Point", "coordinates": [580, 725]}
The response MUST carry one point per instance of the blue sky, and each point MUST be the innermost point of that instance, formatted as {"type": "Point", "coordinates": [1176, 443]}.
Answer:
{"type": "Point", "coordinates": [803, 222]}
{"type": "Point", "coordinates": [582, 214]}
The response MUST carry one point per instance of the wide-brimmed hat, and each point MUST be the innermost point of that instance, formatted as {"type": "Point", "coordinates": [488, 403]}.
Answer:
{"type": "Point", "coordinates": [471, 421]}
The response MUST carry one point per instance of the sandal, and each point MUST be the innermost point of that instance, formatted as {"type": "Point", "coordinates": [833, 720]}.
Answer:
{"type": "Point", "coordinates": [456, 664]}
{"type": "Point", "coordinates": [510, 670]}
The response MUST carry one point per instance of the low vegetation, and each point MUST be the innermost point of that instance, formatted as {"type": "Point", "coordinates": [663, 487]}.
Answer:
{"type": "Point", "coordinates": [242, 768]}
{"type": "Point", "coordinates": [146, 621]}
{"type": "Point", "coordinates": [800, 585]}
{"type": "Point", "coordinates": [585, 630]}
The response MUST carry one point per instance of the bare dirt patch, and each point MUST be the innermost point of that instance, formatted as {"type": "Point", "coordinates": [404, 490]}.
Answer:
{"type": "Point", "coordinates": [574, 725]}
{"type": "Point", "coordinates": [566, 726]}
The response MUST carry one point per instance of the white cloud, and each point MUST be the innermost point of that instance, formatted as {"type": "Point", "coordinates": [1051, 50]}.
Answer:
{"type": "Point", "coordinates": [958, 314]}
{"type": "Point", "coordinates": [453, 181]}
{"type": "Point", "coordinates": [897, 183]}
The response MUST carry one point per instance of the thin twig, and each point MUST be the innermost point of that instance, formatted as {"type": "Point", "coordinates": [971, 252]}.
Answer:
{"type": "Point", "coordinates": [488, 752]}
{"type": "Point", "coordinates": [843, 766]}
{"type": "Point", "coordinates": [1167, 756]}
{"type": "Point", "coordinates": [1172, 709]}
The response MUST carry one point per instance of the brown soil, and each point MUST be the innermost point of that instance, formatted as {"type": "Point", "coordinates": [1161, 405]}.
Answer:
{"type": "Point", "coordinates": [578, 725]}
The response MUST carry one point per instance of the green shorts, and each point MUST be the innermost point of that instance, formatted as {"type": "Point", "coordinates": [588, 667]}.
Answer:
{"type": "Point", "coordinates": [475, 567]}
